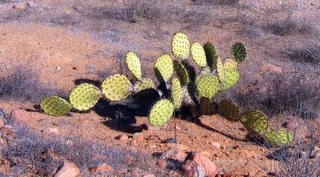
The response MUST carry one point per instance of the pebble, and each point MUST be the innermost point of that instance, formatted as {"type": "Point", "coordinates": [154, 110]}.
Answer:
{"type": "Point", "coordinates": [68, 170]}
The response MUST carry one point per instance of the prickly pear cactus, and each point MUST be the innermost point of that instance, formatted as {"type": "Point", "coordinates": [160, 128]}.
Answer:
{"type": "Point", "coordinates": [180, 45]}
{"type": "Point", "coordinates": [255, 121]}
{"type": "Point", "coordinates": [181, 72]}
{"type": "Point", "coordinates": [279, 137]}
{"type": "Point", "coordinates": [116, 87]}
{"type": "Point", "coordinates": [211, 54]}
{"type": "Point", "coordinates": [55, 105]}
{"type": "Point", "coordinates": [161, 112]}
{"type": "Point", "coordinates": [134, 65]}
{"type": "Point", "coordinates": [220, 70]}
{"type": "Point", "coordinates": [229, 110]}
{"type": "Point", "coordinates": [207, 106]}
{"type": "Point", "coordinates": [231, 77]}
{"type": "Point", "coordinates": [84, 96]}
{"type": "Point", "coordinates": [230, 64]}
{"type": "Point", "coordinates": [143, 84]}
{"type": "Point", "coordinates": [164, 68]}
{"type": "Point", "coordinates": [176, 92]}
{"type": "Point", "coordinates": [207, 85]}
{"type": "Point", "coordinates": [198, 54]}
{"type": "Point", "coordinates": [239, 52]}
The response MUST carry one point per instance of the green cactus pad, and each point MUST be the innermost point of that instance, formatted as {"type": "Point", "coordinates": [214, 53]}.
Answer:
{"type": "Point", "coordinates": [161, 112]}
{"type": "Point", "coordinates": [176, 92]}
{"type": "Point", "coordinates": [116, 87]}
{"type": "Point", "coordinates": [239, 52]}
{"type": "Point", "coordinates": [198, 54]}
{"type": "Point", "coordinates": [164, 68]}
{"type": "Point", "coordinates": [84, 96]}
{"type": "Point", "coordinates": [55, 105]}
{"type": "Point", "coordinates": [207, 85]}
{"type": "Point", "coordinates": [256, 122]}
{"type": "Point", "coordinates": [231, 64]}
{"type": "Point", "coordinates": [229, 110]}
{"type": "Point", "coordinates": [211, 54]}
{"type": "Point", "coordinates": [207, 107]}
{"type": "Point", "coordinates": [279, 137]}
{"type": "Point", "coordinates": [181, 72]}
{"type": "Point", "coordinates": [220, 70]}
{"type": "Point", "coordinates": [231, 77]}
{"type": "Point", "coordinates": [180, 45]}
{"type": "Point", "coordinates": [143, 84]}
{"type": "Point", "coordinates": [134, 65]}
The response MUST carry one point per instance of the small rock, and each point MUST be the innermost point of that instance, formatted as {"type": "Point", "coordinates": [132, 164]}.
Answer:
{"type": "Point", "coordinates": [271, 68]}
{"type": "Point", "coordinates": [68, 170]}
{"type": "Point", "coordinates": [20, 116]}
{"type": "Point", "coordinates": [216, 144]}
{"type": "Point", "coordinates": [196, 164]}
{"type": "Point", "coordinates": [54, 131]}
{"type": "Point", "coordinates": [1, 123]}
{"type": "Point", "coordinates": [122, 137]}
{"type": "Point", "coordinates": [292, 125]}
{"type": "Point", "coordinates": [149, 175]}
{"type": "Point", "coordinates": [101, 168]}
{"type": "Point", "coordinates": [77, 68]}
{"type": "Point", "coordinates": [162, 163]}
{"type": "Point", "coordinates": [138, 137]}
{"type": "Point", "coordinates": [22, 5]}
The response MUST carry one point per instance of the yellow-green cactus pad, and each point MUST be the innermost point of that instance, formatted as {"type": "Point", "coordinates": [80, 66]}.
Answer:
{"type": "Point", "coordinates": [211, 54]}
{"type": "Point", "coordinates": [256, 122]}
{"type": "Point", "coordinates": [207, 106]}
{"type": "Point", "coordinates": [143, 84]}
{"type": "Point", "coordinates": [220, 70]}
{"type": "Point", "coordinates": [116, 87]}
{"type": "Point", "coordinates": [161, 112]}
{"type": "Point", "coordinates": [229, 110]}
{"type": "Point", "coordinates": [198, 54]}
{"type": "Point", "coordinates": [231, 64]}
{"type": "Point", "coordinates": [207, 85]}
{"type": "Point", "coordinates": [279, 137]}
{"type": "Point", "coordinates": [84, 96]}
{"type": "Point", "coordinates": [176, 92]}
{"type": "Point", "coordinates": [164, 68]}
{"type": "Point", "coordinates": [180, 45]}
{"type": "Point", "coordinates": [239, 52]}
{"type": "Point", "coordinates": [231, 77]}
{"type": "Point", "coordinates": [134, 65]}
{"type": "Point", "coordinates": [181, 72]}
{"type": "Point", "coordinates": [55, 105]}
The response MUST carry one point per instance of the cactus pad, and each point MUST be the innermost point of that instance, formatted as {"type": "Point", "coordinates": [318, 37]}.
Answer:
{"type": "Point", "coordinates": [164, 68]}
{"type": "Point", "coordinates": [207, 107]}
{"type": "Point", "coordinates": [207, 85]}
{"type": "Point", "coordinates": [143, 84]}
{"type": "Point", "coordinates": [84, 96]}
{"type": "Point", "coordinates": [180, 45]}
{"type": "Point", "coordinates": [55, 105]}
{"type": "Point", "coordinates": [134, 65]}
{"type": "Point", "coordinates": [220, 70]}
{"type": "Point", "coordinates": [211, 54]}
{"type": "Point", "coordinates": [116, 87]}
{"type": "Point", "coordinates": [181, 72]}
{"type": "Point", "coordinates": [279, 137]}
{"type": "Point", "coordinates": [198, 54]}
{"type": "Point", "coordinates": [231, 77]}
{"type": "Point", "coordinates": [176, 92]}
{"type": "Point", "coordinates": [230, 64]}
{"type": "Point", "coordinates": [229, 110]}
{"type": "Point", "coordinates": [255, 121]}
{"type": "Point", "coordinates": [239, 52]}
{"type": "Point", "coordinates": [161, 112]}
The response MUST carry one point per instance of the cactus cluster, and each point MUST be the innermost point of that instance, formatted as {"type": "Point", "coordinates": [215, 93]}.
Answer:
{"type": "Point", "coordinates": [256, 122]}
